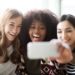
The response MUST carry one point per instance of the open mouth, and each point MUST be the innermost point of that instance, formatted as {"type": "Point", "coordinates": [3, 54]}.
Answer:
{"type": "Point", "coordinates": [36, 37]}
{"type": "Point", "coordinates": [66, 41]}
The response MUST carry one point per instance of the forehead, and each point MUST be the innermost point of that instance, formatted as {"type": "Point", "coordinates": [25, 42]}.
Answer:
{"type": "Point", "coordinates": [64, 24]}
{"type": "Point", "coordinates": [36, 22]}
{"type": "Point", "coordinates": [16, 20]}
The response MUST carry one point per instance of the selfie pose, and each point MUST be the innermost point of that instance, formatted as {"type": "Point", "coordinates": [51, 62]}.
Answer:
{"type": "Point", "coordinates": [66, 33]}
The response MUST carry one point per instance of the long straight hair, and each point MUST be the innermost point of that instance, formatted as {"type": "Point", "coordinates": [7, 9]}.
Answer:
{"type": "Point", "coordinates": [8, 14]}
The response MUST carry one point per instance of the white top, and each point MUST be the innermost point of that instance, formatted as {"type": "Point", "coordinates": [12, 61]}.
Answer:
{"type": "Point", "coordinates": [8, 68]}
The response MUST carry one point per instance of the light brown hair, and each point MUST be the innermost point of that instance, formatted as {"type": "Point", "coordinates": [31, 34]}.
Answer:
{"type": "Point", "coordinates": [8, 14]}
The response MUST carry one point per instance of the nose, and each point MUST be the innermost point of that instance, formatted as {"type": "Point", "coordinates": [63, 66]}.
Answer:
{"type": "Point", "coordinates": [36, 30]}
{"type": "Point", "coordinates": [14, 30]}
{"type": "Point", "coordinates": [64, 36]}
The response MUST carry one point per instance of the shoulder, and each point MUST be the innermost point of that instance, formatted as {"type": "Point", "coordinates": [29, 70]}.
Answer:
{"type": "Point", "coordinates": [6, 68]}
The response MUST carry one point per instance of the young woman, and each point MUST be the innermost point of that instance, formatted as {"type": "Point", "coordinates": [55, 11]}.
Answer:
{"type": "Point", "coordinates": [66, 33]}
{"type": "Point", "coordinates": [38, 25]}
{"type": "Point", "coordinates": [10, 26]}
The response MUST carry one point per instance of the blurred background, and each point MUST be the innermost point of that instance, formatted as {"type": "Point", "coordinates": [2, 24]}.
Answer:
{"type": "Point", "coordinates": [59, 7]}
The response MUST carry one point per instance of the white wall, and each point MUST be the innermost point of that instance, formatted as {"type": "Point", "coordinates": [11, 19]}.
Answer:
{"type": "Point", "coordinates": [68, 7]}
{"type": "Point", "coordinates": [23, 5]}
{"type": "Point", "coordinates": [55, 6]}
{"type": "Point", "coordinates": [26, 5]}
{"type": "Point", "coordinates": [59, 7]}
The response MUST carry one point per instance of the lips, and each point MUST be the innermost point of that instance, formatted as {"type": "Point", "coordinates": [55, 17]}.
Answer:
{"type": "Point", "coordinates": [12, 35]}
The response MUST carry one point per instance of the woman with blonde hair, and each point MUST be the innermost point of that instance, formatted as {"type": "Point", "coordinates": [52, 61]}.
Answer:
{"type": "Point", "coordinates": [10, 26]}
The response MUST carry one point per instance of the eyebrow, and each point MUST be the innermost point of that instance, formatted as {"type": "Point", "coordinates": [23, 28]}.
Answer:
{"type": "Point", "coordinates": [14, 23]}
{"type": "Point", "coordinates": [65, 28]}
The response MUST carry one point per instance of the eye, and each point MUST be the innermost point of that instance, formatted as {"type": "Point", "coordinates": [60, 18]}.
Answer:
{"type": "Point", "coordinates": [43, 28]}
{"type": "Point", "coordinates": [68, 30]}
{"type": "Point", "coordinates": [20, 26]}
{"type": "Point", "coordinates": [58, 31]}
{"type": "Point", "coordinates": [11, 25]}
{"type": "Point", "coordinates": [32, 27]}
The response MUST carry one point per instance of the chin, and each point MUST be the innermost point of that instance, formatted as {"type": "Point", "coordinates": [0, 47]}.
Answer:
{"type": "Point", "coordinates": [11, 40]}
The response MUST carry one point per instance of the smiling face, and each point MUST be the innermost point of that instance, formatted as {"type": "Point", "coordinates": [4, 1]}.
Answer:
{"type": "Point", "coordinates": [12, 28]}
{"type": "Point", "coordinates": [37, 31]}
{"type": "Point", "coordinates": [66, 32]}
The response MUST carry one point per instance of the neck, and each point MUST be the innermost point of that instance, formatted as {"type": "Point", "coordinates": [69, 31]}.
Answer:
{"type": "Point", "coordinates": [8, 44]}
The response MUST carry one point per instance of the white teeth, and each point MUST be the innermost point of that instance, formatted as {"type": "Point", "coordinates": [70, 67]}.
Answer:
{"type": "Point", "coordinates": [36, 35]}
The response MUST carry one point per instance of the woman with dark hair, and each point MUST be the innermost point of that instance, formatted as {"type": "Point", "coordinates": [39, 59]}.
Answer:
{"type": "Point", "coordinates": [38, 26]}
{"type": "Point", "coordinates": [66, 33]}
{"type": "Point", "coordinates": [46, 17]}
{"type": "Point", "coordinates": [46, 22]}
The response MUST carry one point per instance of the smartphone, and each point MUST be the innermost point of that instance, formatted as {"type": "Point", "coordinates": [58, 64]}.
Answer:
{"type": "Point", "coordinates": [39, 50]}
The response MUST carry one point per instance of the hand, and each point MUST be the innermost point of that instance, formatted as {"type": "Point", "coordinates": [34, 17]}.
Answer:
{"type": "Point", "coordinates": [64, 53]}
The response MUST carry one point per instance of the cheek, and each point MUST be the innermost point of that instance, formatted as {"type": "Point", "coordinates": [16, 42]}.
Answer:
{"type": "Point", "coordinates": [72, 37]}
{"type": "Point", "coordinates": [18, 31]}
{"type": "Point", "coordinates": [29, 32]}
{"type": "Point", "coordinates": [44, 33]}
{"type": "Point", "coordinates": [7, 30]}
{"type": "Point", "coordinates": [59, 36]}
